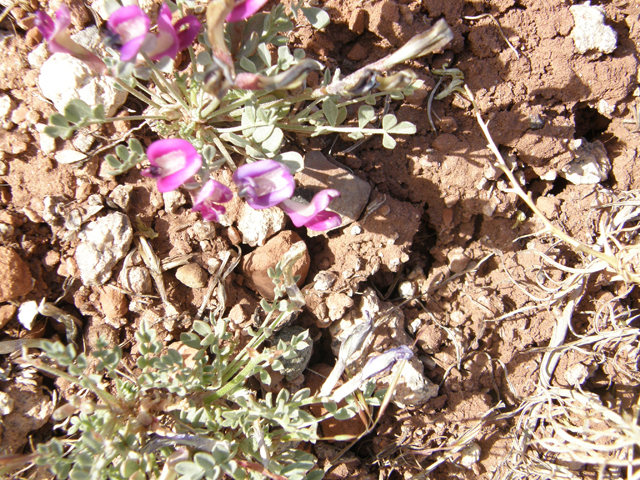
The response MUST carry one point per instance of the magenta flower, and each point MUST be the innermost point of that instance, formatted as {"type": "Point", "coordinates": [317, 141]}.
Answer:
{"type": "Point", "coordinates": [264, 184]}
{"type": "Point", "coordinates": [131, 25]}
{"type": "Point", "coordinates": [244, 9]}
{"type": "Point", "coordinates": [209, 196]}
{"type": "Point", "coordinates": [173, 162]}
{"type": "Point", "coordinates": [172, 39]}
{"type": "Point", "coordinates": [313, 215]}
{"type": "Point", "coordinates": [60, 41]}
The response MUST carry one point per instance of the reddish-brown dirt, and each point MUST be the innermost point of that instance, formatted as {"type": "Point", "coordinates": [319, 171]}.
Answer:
{"type": "Point", "coordinates": [444, 203]}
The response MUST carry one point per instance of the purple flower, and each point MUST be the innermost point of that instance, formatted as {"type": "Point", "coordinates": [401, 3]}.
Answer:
{"type": "Point", "coordinates": [209, 196]}
{"type": "Point", "coordinates": [173, 162]}
{"type": "Point", "coordinates": [59, 40]}
{"type": "Point", "coordinates": [314, 215]}
{"type": "Point", "coordinates": [264, 184]}
{"type": "Point", "coordinates": [131, 24]}
{"type": "Point", "coordinates": [244, 9]}
{"type": "Point", "coordinates": [384, 362]}
{"type": "Point", "coordinates": [172, 39]}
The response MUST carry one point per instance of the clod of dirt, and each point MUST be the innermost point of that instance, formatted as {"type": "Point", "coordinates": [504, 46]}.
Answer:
{"type": "Point", "coordinates": [63, 78]}
{"type": "Point", "coordinates": [590, 32]}
{"type": "Point", "coordinates": [173, 200]}
{"type": "Point", "coordinates": [16, 279]}
{"type": "Point", "coordinates": [31, 411]}
{"type": "Point", "coordinates": [256, 226]}
{"type": "Point", "coordinates": [192, 275]}
{"type": "Point", "coordinates": [114, 303]}
{"type": "Point", "coordinates": [104, 242]}
{"type": "Point", "coordinates": [319, 173]}
{"type": "Point", "coordinates": [591, 164]}
{"type": "Point", "coordinates": [256, 264]}
{"type": "Point", "coordinates": [6, 314]}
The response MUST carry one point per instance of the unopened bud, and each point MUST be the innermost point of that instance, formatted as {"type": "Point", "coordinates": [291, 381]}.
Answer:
{"type": "Point", "coordinates": [63, 412]}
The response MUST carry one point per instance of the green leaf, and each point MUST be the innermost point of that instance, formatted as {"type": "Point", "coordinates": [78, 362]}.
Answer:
{"type": "Point", "coordinates": [315, 475]}
{"type": "Point", "coordinates": [265, 378]}
{"type": "Point", "coordinates": [202, 328]}
{"type": "Point", "coordinates": [344, 413]}
{"type": "Point", "coordinates": [330, 111]}
{"type": "Point", "coordinates": [58, 120]}
{"type": "Point", "coordinates": [317, 17]}
{"type": "Point", "coordinates": [403, 128]}
{"type": "Point", "coordinates": [77, 110]}
{"type": "Point", "coordinates": [388, 141]}
{"type": "Point", "coordinates": [122, 152]}
{"type": "Point", "coordinates": [292, 160]}
{"type": "Point", "coordinates": [190, 339]}
{"type": "Point", "coordinates": [55, 132]}
{"type": "Point", "coordinates": [190, 470]}
{"type": "Point", "coordinates": [261, 134]}
{"type": "Point", "coordinates": [98, 112]}
{"type": "Point", "coordinates": [273, 143]}
{"type": "Point", "coordinates": [388, 121]}
{"type": "Point", "coordinates": [248, 65]}
{"type": "Point", "coordinates": [366, 113]}
{"type": "Point", "coordinates": [264, 54]}
{"type": "Point", "coordinates": [204, 59]}
{"type": "Point", "coordinates": [135, 146]}
{"type": "Point", "coordinates": [342, 115]}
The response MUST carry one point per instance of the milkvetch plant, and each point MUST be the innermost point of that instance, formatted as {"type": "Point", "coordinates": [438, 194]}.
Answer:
{"type": "Point", "coordinates": [239, 91]}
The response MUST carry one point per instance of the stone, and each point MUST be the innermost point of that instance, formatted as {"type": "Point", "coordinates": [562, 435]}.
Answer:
{"type": "Point", "coordinates": [458, 260]}
{"type": "Point", "coordinates": [114, 303]}
{"type": "Point", "coordinates": [104, 242]}
{"type": "Point", "coordinates": [121, 197]}
{"type": "Point", "coordinates": [47, 143]}
{"type": "Point", "coordinates": [256, 226]}
{"type": "Point", "coordinates": [324, 280]}
{"type": "Point", "coordinates": [6, 314]}
{"type": "Point", "coordinates": [202, 230]}
{"type": "Point", "coordinates": [590, 31]}
{"type": "Point", "coordinates": [293, 367]}
{"type": "Point", "coordinates": [192, 275]}
{"type": "Point", "coordinates": [38, 56]}
{"type": "Point", "coordinates": [590, 165]}
{"type": "Point", "coordinates": [63, 78]}
{"type": "Point", "coordinates": [576, 374]}
{"type": "Point", "coordinates": [27, 314]}
{"type": "Point", "coordinates": [173, 200]}
{"type": "Point", "coordinates": [470, 455]}
{"type": "Point", "coordinates": [6, 404]}
{"type": "Point", "coordinates": [16, 279]}
{"type": "Point", "coordinates": [338, 304]}
{"type": "Point", "coordinates": [6, 107]}
{"type": "Point", "coordinates": [138, 280]}
{"type": "Point", "coordinates": [82, 142]}
{"type": "Point", "coordinates": [319, 173]}
{"type": "Point", "coordinates": [256, 264]}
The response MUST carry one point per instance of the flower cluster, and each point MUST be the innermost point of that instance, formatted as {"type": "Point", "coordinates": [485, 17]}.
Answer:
{"type": "Point", "coordinates": [263, 184]}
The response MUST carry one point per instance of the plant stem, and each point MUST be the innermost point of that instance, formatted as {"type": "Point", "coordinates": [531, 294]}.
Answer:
{"type": "Point", "coordinates": [161, 80]}
{"type": "Point", "coordinates": [136, 94]}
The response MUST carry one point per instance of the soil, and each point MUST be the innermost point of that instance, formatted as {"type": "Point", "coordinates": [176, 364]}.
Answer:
{"type": "Point", "coordinates": [443, 208]}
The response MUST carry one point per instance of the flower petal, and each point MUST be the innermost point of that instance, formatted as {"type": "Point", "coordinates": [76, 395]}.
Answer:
{"type": "Point", "coordinates": [177, 159]}
{"type": "Point", "coordinates": [166, 41]}
{"type": "Point", "coordinates": [245, 10]}
{"type": "Point", "coordinates": [265, 183]}
{"type": "Point", "coordinates": [324, 221]}
{"type": "Point", "coordinates": [187, 35]}
{"type": "Point", "coordinates": [385, 362]}
{"type": "Point", "coordinates": [212, 193]}
{"type": "Point", "coordinates": [132, 24]}
{"type": "Point", "coordinates": [45, 24]}
{"type": "Point", "coordinates": [306, 214]}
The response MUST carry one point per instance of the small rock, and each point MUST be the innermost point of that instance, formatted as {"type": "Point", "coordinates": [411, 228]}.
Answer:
{"type": "Point", "coordinates": [70, 156]}
{"type": "Point", "coordinates": [357, 53]}
{"type": "Point", "coordinates": [319, 173]}
{"type": "Point", "coordinates": [27, 314]}
{"type": "Point", "coordinates": [121, 196]}
{"type": "Point", "coordinates": [590, 32]}
{"type": "Point", "coordinates": [82, 142]}
{"type": "Point", "coordinates": [256, 226]}
{"type": "Point", "coordinates": [47, 143]}
{"type": "Point", "coordinates": [104, 242]}
{"type": "Point", "coordinates": [576, 374]}
{"type": "Point", "coordinates": [470, 455]}
{"type": "Point", "coordinates": [138, 279]}
{"type": "Point", "coordinates": [63, 78]}
{"type": "Point", "coordinates": [202, 230]}
{"type": "Point", "coordinates": [173, 200]}
{"type": "Point", "coordinates": [6, 404]}
{"type": "Point", "coordinates": [6, 107]}
{"type": "Point", "coordinates": [356, 230]}
{"type": "Point", "coordinates": [114, 303]}
{"type": "Point", "coordinates": [7, 233]}
{"type": "Point", "coordinates": [6, 314]}
{"type": "Point", "coordinates": [458, 260]}
{"type": "Point", "coordinates": [407, 289]}
{"type": "Point", "coordinates": [324, 280]}
{"type": "Point", "coordinates": [338, 304]}
{"type": "Point", "coordinates": [536, 122]}
{"type": "Point", "coordinates": [606, 109]}
{"type": "Point", "coordinates": [591, 164]}
{"type": "Point", "coordinates": [16, 279]}
{"type": "Point", "coordinates": [256, 264]}
{"type": "Point", "coordinates": [192, 275]}
{"type": "Point", "coordinates": [38, 56]}
{"type": "Point", "coordinates": [293, 367]}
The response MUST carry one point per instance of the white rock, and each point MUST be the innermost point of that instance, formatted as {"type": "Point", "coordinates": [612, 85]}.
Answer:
{"type": "Point", "coordinates": [604, 108]}
{"type": "Point", "coordinates": [590, 32]}
{"type": "Point", "coordinates": [407, 289]}
{"type": "Point", "coordinates": [590, 165]}
{"type": "Point", "coordinates": [202, 230]}
{"type": "Point", "coordinates": [6, 107]}
{"type": "Point", "coordinates": [63, 78]}
{"type": "Point", "coordinates": [470, 455]}
{"type": "Point", "coordinates": [38, 56]}
{"type": "Point", "coordinates": [69, 156]}
{"type": "Point", "coordinates": [104, 242]}
{"type": "Point", "coordinates": [6, 404]}
{"type": "Point", "coordinates": [27, 313]}
{"type": "Point", "coordinates": [47, 143]}
{"type": "Point", "coordinates": [173, 200]}
{"type": "Point", "coordinates": [324, 281]}
{"type": "Point", "coordinates": [121, 196]}
{"type": "Point", "coordinates": [576, 374]}
{"type": "Point", "coordinates": [256, 226]}
{"type": "Point", "coordinates": [82, 142]}
{"type": "Point", "coordinates": [549, 176]}
{"type": "Point", "coordinates": [139, 280]}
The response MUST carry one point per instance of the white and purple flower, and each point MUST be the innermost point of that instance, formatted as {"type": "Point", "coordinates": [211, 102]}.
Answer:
{"type": "Point", "coordinates": [264, 184]}
{"type": "Point", "coordinates": [173, 162]}
{"type": "Point", "coordinates": [208, 199]}
{"type": "Point", "coordinates": [313, 215]}
{"type": "Point", "coordinates": [55, 32]}
{"type": "Point", "coordinates": [244, 9]}
{"type": "Point", "coordinates": [131, 25]}
{"type": "Point", "coordinates": [172, 38]}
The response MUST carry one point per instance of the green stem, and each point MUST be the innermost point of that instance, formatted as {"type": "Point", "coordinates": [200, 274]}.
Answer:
{"type": "Point", "coordinates": [133, 118]}
{"type": "Point", "coordinates": [161, 80]}
{"type": "Point", "coordinates": [245, 373]}
{"type": "Point", "coordinates": [136, 94]}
